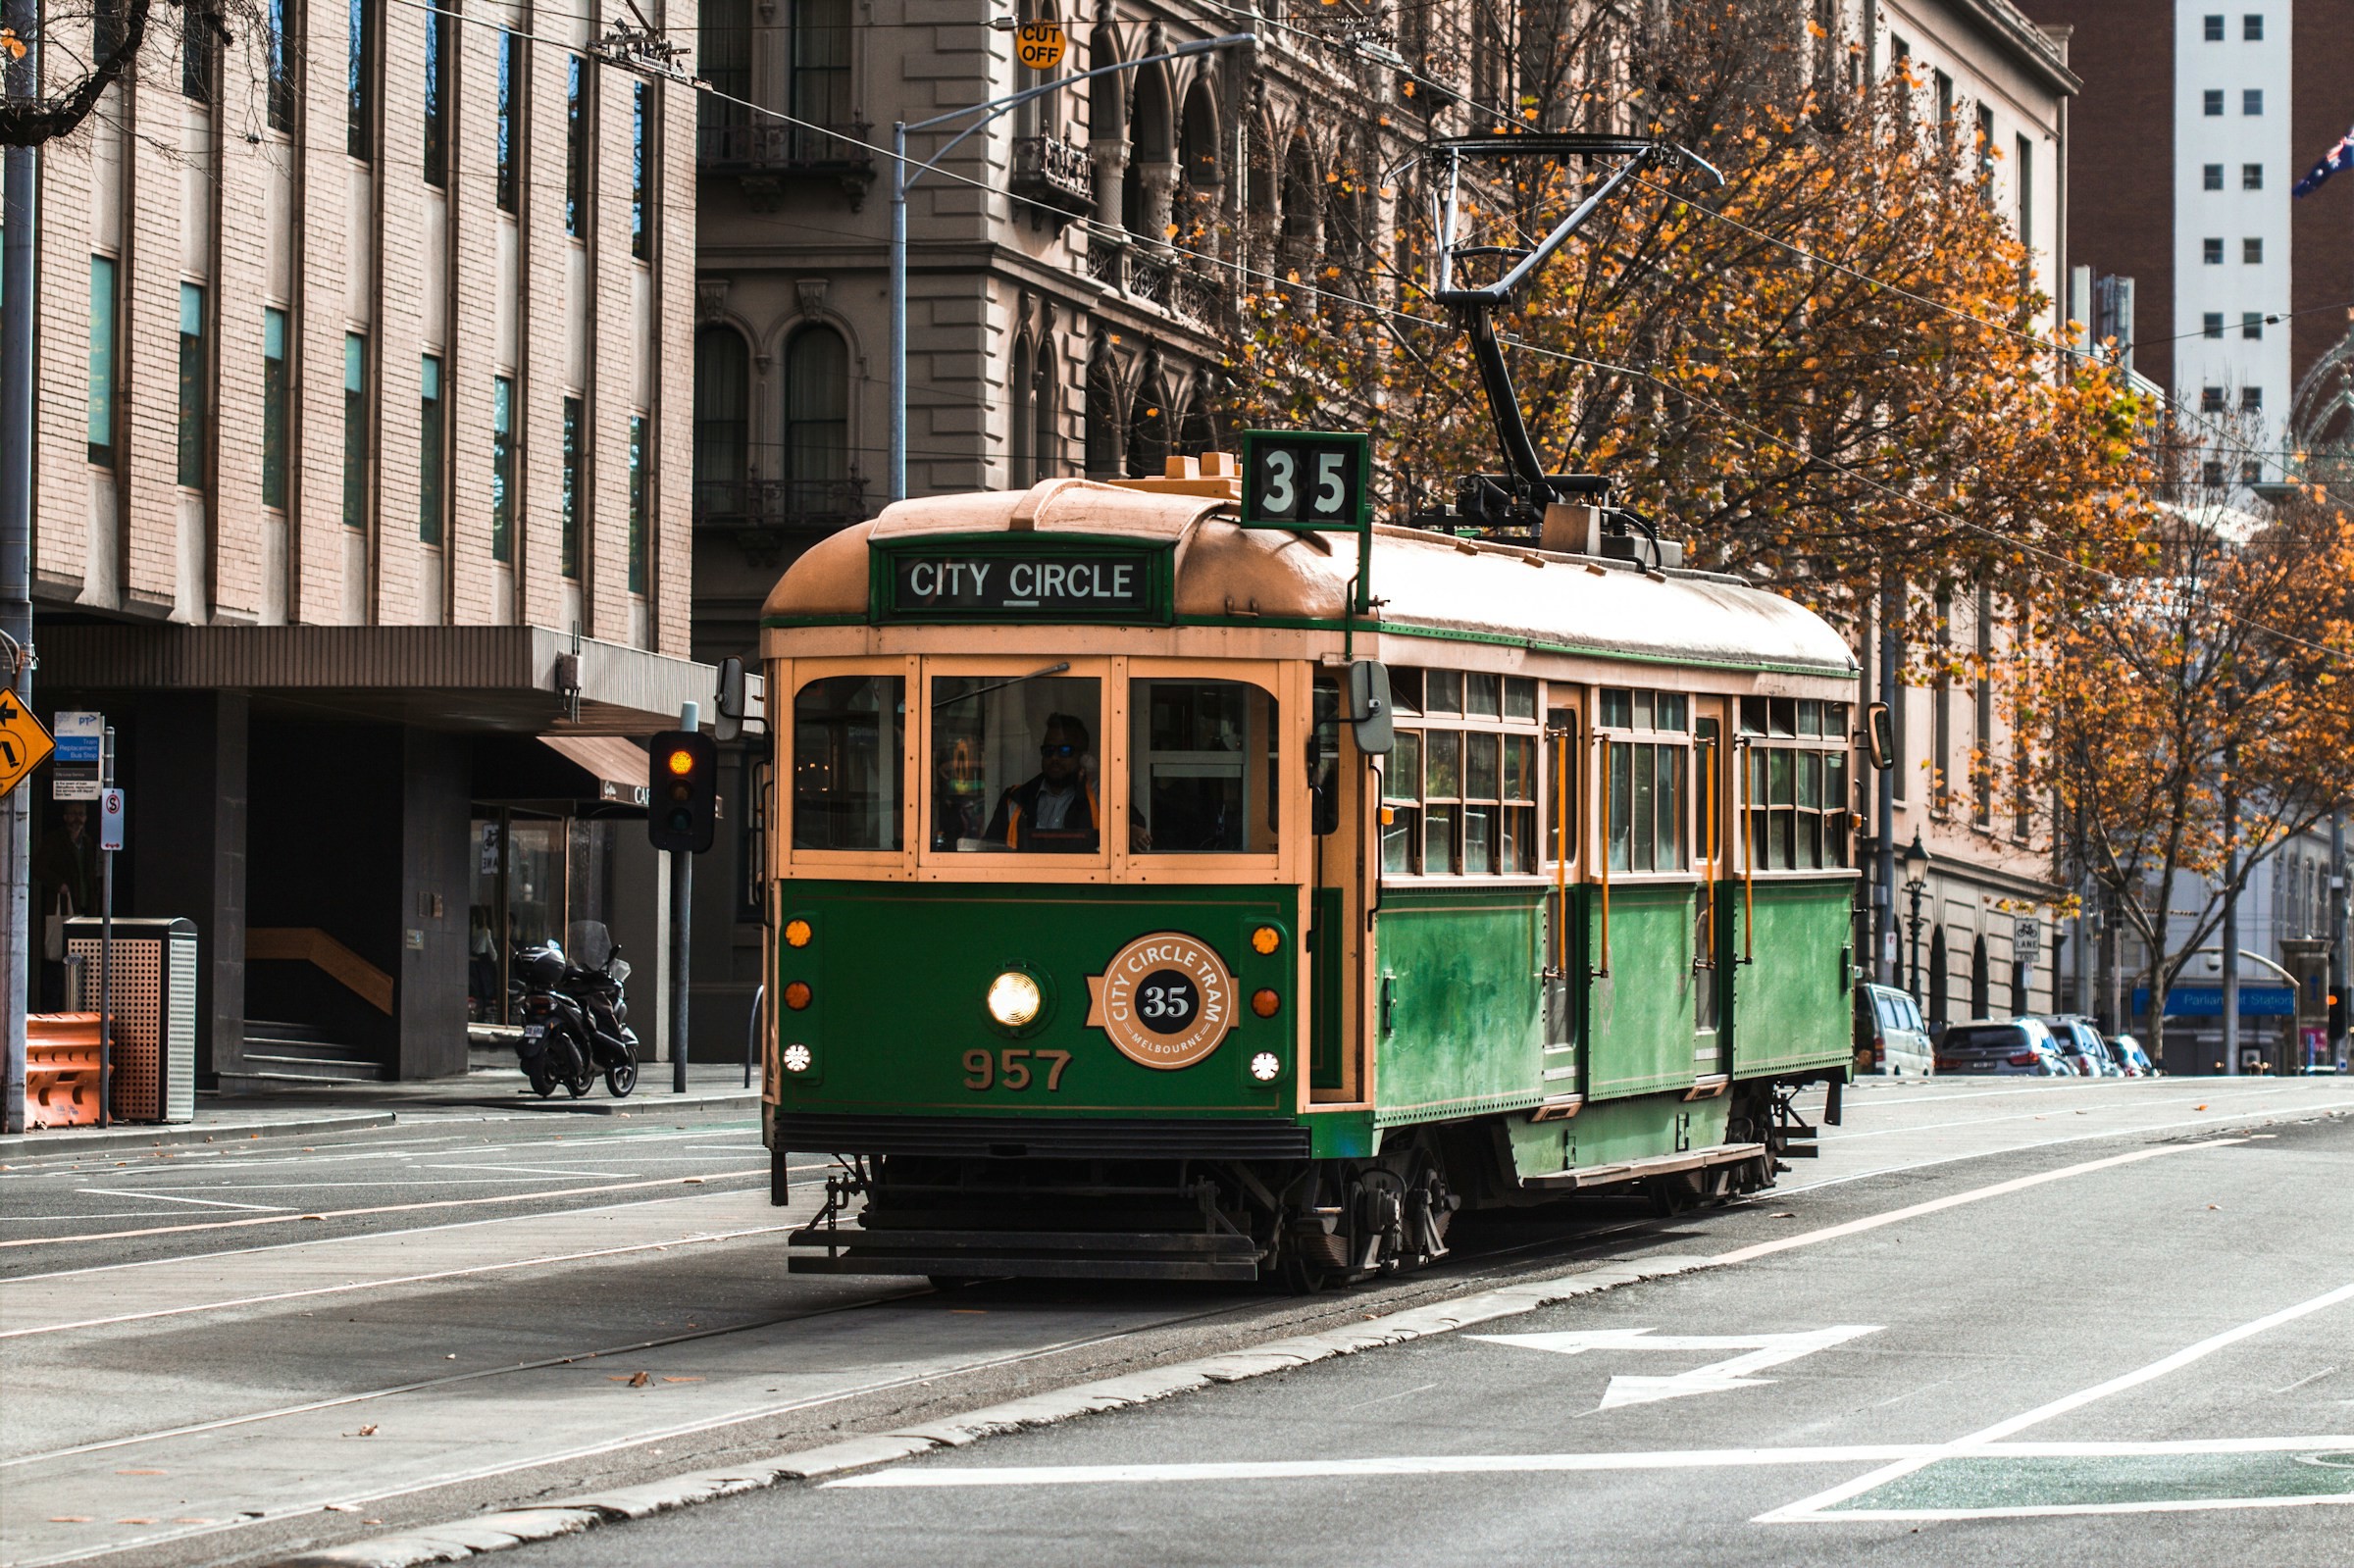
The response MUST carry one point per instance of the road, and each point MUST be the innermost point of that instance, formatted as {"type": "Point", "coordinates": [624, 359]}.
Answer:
{"type": "Point", "coordinates": [230, 1355]}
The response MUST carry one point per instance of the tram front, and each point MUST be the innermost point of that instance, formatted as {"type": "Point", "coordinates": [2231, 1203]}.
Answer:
{"type": "Point", "coordinates": [1049, 911]}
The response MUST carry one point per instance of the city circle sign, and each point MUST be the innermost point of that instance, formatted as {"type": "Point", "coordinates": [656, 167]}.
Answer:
{"type": "Point", "coordinates": [1040, 45]}
{"type": "Point", "coordinates": [1164, 1000]}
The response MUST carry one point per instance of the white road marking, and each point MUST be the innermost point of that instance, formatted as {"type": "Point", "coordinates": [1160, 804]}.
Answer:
{"type": "Point", "coordinates": [534, 1169]}
{"type": "Point", "coordinates": [925, 1477]}
{"type": "Point", "coordinates": [1718, 1377]}
{"type": "Point", "coordinates": [166, 1197]}
{"type": "Point", "coordinates": [1812, 1508]}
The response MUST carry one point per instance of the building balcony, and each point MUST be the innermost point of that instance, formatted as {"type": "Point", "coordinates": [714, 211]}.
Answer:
{"type": "Point", "coordinates": [767, 517]}
{"type": "Point", "coordinates": [1161, 281]}
{"type": "Point", "coordinates": [1055, 174]}
{"type": "Point", "coordinates": [764, 156]}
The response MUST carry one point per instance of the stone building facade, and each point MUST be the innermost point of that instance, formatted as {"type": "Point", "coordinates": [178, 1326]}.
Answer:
{"type": "Point", "coordinates": [363, 457]}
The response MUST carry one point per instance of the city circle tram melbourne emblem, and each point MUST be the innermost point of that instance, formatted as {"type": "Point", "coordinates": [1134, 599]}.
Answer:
{"type": "Point", "coordinates": [1164, 1000]}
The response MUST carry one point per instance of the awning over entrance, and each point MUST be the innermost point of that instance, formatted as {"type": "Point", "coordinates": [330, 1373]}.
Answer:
{"type": "Point", "coordinates": [617, 764]}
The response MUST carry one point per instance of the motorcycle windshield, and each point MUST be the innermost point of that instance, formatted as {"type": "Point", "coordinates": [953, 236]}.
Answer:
{"type": "Point", "coordinates": [591, 942]}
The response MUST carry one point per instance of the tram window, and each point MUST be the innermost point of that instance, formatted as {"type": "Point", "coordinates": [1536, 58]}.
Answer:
{"type": "Point", "coordinates": [1753, 716]}
{"type": "Point", "coordinates": [1561, 792]}
{"type": "Point", "coordinates": [1442, 691]}
{"type": "Point", "coordinates": [1483, 696]}
{"type": "Point", "coordinates": [1204, 779]}
{"type": "Point", "coordinates": [1518, 852]}
{"type": "Point", "coordinates": [1482, 802]}
{"type": "Point", "coordinates": [1406, 691]}
{"type": "Point", "coordinates": [1402, 804]}
{"type": "Point", "coordinates": [1798, 815]}
{"type": "Point", "coordinates": [1617, 708]}
{"type": "Point", "coordinates": [1442, 794]}
{"type": "Point", "coordinates": [1672, 711]}
{"type": "Point", "coordinates": [849, 740]}
{"type": "Point", "coordinates": [1647, 806]}
{"type": "Point", "coordinates": [1013, 764]}
{"type": "Point", "coordinates": [1519, 697]}
{"type": "Point", "coordinates": [1834, 721]}
{"type": "Point", "coordinates": [1782, 716]}
{"type": "Point", "coordinates": [1810, 717]}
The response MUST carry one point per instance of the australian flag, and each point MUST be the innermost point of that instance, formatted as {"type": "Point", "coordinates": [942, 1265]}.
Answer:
{"type": "Point", "coordinates": [2337, 159]}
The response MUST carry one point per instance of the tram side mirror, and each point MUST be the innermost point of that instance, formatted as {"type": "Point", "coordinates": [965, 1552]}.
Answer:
{"type": "Point", "coordinates": [730, 706]}
{"type": "Point", "coordinates": [1369, 707]}
{"type": "Point", "coordinates": [1879, 734]}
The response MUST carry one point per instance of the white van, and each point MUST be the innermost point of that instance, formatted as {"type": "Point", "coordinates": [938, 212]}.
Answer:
{"type": "Point", "coordinates": [1891, 1040]}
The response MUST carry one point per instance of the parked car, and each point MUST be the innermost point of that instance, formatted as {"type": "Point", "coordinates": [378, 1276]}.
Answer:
{"type": "Point", "coordinates": [2017, 1046]}
{"type": "Point", "coordinates": [1892, 1038]}
{"type": "Point", "coordinates": [2081, 1044]}
{"type": "Point", "coordinates": [2131, 1057]}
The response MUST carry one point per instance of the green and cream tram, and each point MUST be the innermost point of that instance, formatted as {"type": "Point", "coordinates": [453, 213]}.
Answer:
{"type": "Point", "coordinates": [1112, 935]}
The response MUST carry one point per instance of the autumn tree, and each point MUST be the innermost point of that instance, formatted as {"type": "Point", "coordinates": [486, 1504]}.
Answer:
{"type": "Point", "coordinates": [53, 72]}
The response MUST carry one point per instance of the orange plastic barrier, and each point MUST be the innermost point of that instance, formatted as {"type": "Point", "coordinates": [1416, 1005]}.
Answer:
{"type": "Point", "coordinates": [61, 1069]}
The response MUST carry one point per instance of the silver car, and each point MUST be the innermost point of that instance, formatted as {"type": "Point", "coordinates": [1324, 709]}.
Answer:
{"type": "Point", "coordinates": [2017, 1046]}
{"type": "Point", "coordinates": [1890, 1036]}
{"type": "Point", "coordinates": [2082, 1045]}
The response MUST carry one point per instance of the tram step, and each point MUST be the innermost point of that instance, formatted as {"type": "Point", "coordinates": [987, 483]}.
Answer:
{"type": "Point", "coordinates": [996, 1266]}
{"type": "Point", "coordinates": [1658, 1165]}
{"type": "Point", "coordinates": [891, 1238]}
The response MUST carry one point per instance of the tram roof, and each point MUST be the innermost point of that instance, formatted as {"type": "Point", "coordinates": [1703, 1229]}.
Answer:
{"type": "Point", "coordinates": [1425, 581]}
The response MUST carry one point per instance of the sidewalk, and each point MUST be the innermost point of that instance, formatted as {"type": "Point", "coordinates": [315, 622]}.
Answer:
{"type": "Point", "coordinates": [308, 1110]}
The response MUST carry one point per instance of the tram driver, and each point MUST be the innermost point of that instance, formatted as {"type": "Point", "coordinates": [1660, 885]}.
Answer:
{"type": "Point", "coordinates": [1056, 810]}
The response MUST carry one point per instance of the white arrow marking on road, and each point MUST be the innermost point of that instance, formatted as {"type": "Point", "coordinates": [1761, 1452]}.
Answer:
{"type": "Point", "coordinates": [1765, 1351]}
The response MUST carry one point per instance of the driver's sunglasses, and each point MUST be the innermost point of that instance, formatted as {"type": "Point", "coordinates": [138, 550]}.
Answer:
{"type": "Point", "coordinates": [1058, 751]}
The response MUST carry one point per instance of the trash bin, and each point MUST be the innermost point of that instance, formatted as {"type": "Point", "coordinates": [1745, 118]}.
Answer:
{"type": "Point", "coordinates": [153, 996]}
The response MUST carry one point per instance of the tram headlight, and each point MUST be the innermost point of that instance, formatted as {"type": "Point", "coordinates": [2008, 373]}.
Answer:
{"type": "Point", "coordinates": [1014, 999]}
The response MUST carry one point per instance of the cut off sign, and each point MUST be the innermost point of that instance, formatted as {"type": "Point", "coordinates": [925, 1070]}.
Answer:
{"type": "Point", "coordinates": [1760, 1350]}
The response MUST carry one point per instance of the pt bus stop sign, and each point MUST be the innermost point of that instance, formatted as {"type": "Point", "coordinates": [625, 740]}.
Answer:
{"type": "Point", "coordinates": [23, 744]}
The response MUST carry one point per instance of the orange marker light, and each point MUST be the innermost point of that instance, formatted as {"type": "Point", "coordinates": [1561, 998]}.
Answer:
{"type": "Point", "coordinates": [797, 933]}
{"type": "Point", "coordinates": [680, 760]}
{"type": "Point", "coordinates": [797, 995]}
{"type": "Point", "coordinates": [1265, 940]}
{"type": "Point", "coordinates": [1264, 1002]}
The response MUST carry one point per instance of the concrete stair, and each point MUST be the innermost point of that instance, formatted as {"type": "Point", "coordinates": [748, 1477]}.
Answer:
{"type": "Point", "coordinates": [278, 1051]}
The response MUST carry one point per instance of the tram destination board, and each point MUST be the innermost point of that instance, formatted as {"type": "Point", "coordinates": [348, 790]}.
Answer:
{"type": "Point", "coordinates": [1093, 580]}
{"type": "Point", "coordinates": [1308, 479]}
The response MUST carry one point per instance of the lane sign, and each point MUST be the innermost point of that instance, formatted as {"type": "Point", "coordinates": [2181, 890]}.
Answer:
{"type": "Point", "coordinates": [23, 743]}
{"type": "Point", "coordinates": [80, 736]}
{"type": "Point", "coordinates": [1718, 1377]}
{"type": "Point", "coordinates": [109, 819]}
{"type": "Point", "coordinates": [2026, 939]}
{"type": "Point", "coordinates": [1040, 45]}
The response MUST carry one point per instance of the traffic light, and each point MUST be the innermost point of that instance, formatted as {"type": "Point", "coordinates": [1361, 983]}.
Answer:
{"type": "Point", "coordinates": [2338, 1015]}
{"type": "Point", "coordinates": [682, 790]}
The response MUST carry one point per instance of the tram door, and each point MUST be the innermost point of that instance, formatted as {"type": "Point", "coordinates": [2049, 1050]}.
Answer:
{"type": "Point", "coordinates": [1346, 845]}
{"type": "Point", "coordinates": [1564, 754]}
{"type": "Point", "coordinates": [1709, 768]}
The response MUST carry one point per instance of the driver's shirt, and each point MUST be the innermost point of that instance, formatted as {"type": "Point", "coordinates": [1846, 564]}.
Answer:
{"type": "Point", "coordinates": [1053, 807]}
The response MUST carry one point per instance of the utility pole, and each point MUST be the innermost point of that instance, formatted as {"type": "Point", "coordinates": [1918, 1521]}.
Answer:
{"type": "Point", "coordinates": [2339, 934]}
{"type": "Point", "coordinates": [2231, 909]}
{"type": "Point", "coordinates": [682, 917]}
{"type": "Point", "coordinates": [1889, 967]}
{"type": "Point", "coordinates": [20, 215]}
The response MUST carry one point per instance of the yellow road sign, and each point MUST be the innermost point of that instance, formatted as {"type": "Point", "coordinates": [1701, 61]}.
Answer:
{"type": "Point", "coordinates": [1040, 45]}
{"type": "Point", "coordinates": [23, 744]}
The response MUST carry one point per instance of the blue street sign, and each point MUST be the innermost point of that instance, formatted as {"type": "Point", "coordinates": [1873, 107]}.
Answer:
{"type": "Point", "coordinates": [2207, 1001]}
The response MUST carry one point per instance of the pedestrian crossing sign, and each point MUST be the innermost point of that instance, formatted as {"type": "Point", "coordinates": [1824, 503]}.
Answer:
{"type": "Point", "coordinates": [23, 744]}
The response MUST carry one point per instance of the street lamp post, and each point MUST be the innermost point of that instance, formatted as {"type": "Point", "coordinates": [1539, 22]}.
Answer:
{"type": "Point", "coordinates": [901, 177]}
{"type": "Point", "coordinates": [1916, 882]}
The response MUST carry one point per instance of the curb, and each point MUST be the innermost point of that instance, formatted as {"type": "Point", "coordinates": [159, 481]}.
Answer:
{"type": "Point", "coordinates": [496, 1531]}
{"type": "Point", "coordinates": [24, 1143]}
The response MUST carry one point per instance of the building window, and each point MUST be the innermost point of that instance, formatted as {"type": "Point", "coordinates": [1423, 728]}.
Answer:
{"type": "Point", "coordinates": [2251, 251]}
{"type": "Point", "coordinates": [2251, 400]}
{"type": "Point", "coordinates": [1945, 107]}
{"type": "Point", "coordinates": [1941, 713]}
{"type": "Point", "coordinates": [1046, 444]}
{"type": "Point", "coordinates": [723, 430]}
{"type": "Point", "coordinates": [820, 86]}
{"type": "Point", "coordinates": [2251, 101]}
{"type": "Point", "coordinates": [575, 148]}
{"type": "Point", "coordinates": [437, 99]}
{"type": "Point", "coordinates": [2212, 102]}
{"type": "Point", "coordinates": [192, 401]}
{"type": "Point", "coordinates": [2251, 472]}
{"type": "Point", "coordinates": [2211, 251]}
{"type": "Point", "coordinates": [2251, 27]}
{"type": "Point", "coordinates": [510, 89]}
{"type": "Point", "coordinates": [2251, 325]}
{"type": "Point", "coordinates": [2213, 29]}
{"type": "Point", "coordinates": [199, 48]}
{"type": "Point", "coordinates": [102, 361]}
{"type": "Point", "coordinates": [817, 416]}
{"type": "Point", "coordinates": [2211, 400]}
{"type": "Point", "coordinates": [2251, 177]}
{"type": "Point", "coordinates": [640, 242]}
{"type": "Point", "coordinates": [636, 503]}
{"type": "Point", "coordinates": [355, 431]}
{"type": "Point", "coordinates": [282, 92]}
{"type": "Point", "coordinates": [723, 56]}
{"type": "Point", "coordinates": [569, 549]}
{"type": "Point", "coordinates": [502, 467]}
{"type": "Point", "coordinates": [2026, 199]}
{"type": "Point", "coordinates": [2211, 474]}
{"type": "Point", "coordinates": [359, 67]}
{"type": "Point", "coordinates": [274, 407]}
{"type": "Point", "coordinates": [432, 445]}
{"type": "Point", "coordinates": [1981, 761]}
{"type": "Point", "coordinates": [2212, 324]}
{"type": "Point", "coordinates": [1986, 151]}
{"type": "Point", "coordinates": [2212, 176]}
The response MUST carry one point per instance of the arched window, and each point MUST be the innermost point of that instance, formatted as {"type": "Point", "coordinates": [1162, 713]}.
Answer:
{"type": "Point", "coordinates": [1940, 1013]}
{"type": "Point", "coordinates": [1150, 142]}
{"type": "Point", "coordinates": [1303, 211]}
{"type": "Point", "coordinates": [1981, 983]}
{"type": "Point", "coordinates": [723, 425]}
{"type": "Point", "coordinates": [1022, 426]}
{"type": "Point", "coordinates": [1046, 442]}
{"type": "Point", "coordinates": [1105, 444]}
{"type": "Point", "coordinates": [1149, 423]}
{"type": "Point", "coordinates": [817, 417]}
{"type": "Point", "coordinates": [1040, 115]}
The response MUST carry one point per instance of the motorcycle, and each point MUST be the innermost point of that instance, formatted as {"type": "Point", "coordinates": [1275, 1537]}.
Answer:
{"type": "Point", "coordinates": [574, 1019]}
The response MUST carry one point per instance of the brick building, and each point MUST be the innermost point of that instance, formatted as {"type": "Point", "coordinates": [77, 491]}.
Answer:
{"type": "Point", "coordinates": [365, 368]}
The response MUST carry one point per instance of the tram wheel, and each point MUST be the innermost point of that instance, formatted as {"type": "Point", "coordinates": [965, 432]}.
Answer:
{"type": "Point", "coordinates": [621, 1078]}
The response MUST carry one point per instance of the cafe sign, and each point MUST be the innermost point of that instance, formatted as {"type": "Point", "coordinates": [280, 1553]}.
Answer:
{"type": "Point", "coordinates": [985, 580]}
